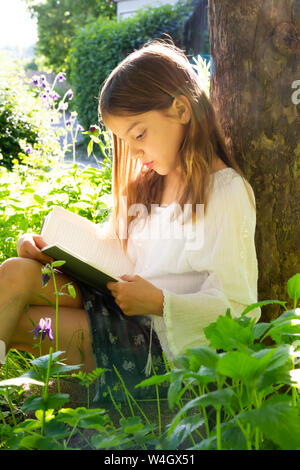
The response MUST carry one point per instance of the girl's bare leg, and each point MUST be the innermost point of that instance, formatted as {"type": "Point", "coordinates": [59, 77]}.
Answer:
{"type": "Point", "coordinates": [21, 285]}
{"type": "Point", "coordinates": [73, 334]}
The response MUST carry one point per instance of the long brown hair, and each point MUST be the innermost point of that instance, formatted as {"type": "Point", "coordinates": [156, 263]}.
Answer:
{"type": "Point", "coordinates": [149, 79]}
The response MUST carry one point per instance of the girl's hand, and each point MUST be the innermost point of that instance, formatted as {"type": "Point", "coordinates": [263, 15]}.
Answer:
{"type": "Point", "coordinates": [29, 246]}
{"type": "Point", "coordinates": [136, 296]}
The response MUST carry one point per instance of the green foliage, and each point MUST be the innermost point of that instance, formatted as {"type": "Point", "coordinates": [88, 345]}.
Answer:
{"type": "Point", "coordinates": [239, 394]}
{"type": "Point", "coordinates": [58, 22]}
{"type": "Point", "coordinates": [101, 45]}
{"type": "Point", "coordinates": [25, 124]}
{"type": "Point", "coordinates": [251, 388]}
{"type": "Point", "coordinates": [28, 195]}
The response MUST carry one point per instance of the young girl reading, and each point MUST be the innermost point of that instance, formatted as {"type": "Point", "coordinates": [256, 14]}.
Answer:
{"type": "Point", "coordinates": [184, 214]}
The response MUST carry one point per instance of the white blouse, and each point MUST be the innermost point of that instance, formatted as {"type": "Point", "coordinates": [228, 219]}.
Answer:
{"type": "Point", "coordinates": [201, 272]}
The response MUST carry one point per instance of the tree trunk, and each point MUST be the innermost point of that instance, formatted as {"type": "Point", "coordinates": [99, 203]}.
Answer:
{"type": "Point", "coordinates": [255, 90]}
{"type": "Point", "coordinates": [196, 40]}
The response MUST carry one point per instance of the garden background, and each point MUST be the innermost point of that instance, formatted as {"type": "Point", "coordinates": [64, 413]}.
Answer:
{"type": "Point", "coordinates": [240, 392]}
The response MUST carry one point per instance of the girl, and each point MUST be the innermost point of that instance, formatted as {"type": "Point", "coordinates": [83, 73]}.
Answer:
{"type": "Point", "coordinates": [169, 159]}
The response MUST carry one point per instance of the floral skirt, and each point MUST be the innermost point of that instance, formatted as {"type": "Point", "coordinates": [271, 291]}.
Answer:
{"type": "Point", "coordinates": [121, 345]}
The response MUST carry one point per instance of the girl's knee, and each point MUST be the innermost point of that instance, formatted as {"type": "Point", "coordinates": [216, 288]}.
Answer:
{"type": "Point", "coordinates": [19, 271]}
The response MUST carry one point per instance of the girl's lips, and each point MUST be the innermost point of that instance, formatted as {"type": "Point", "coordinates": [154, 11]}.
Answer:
{"type": "Point", "coordinates": [148, 165]}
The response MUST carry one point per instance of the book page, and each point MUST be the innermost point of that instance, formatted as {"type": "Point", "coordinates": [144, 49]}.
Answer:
{"type": "Point", "coordinates": [86, 239]}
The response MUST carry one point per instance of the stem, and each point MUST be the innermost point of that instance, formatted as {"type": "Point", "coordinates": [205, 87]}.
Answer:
{"type": "Point", "coordinates": [45, 392]}
{"type": "Point", "coordinates": [158, 403]}
{"type": "Point", "coordinates": [73, 143]}
{"type": "Point", "coordinates": [11, 407]}
{"type": "Point", "coordinates": [244, 433]}
{"type": "Point", "coordinates": [206, 421]}
{"type": "Point", "coordinates": [129, 395]}
{"type": "Point", "coordinates": [2, 417]}
{"type": "Point", "coordinates": [8, 398]}
{"type": "Point", "coordinates": [40, 345]}
{"type": "Point", "coordinates": [257, 431]}
{"type": "Point", "coordinates": [219, 442]}
{"type": "Point", "coordinates": [88, 396]}
{"type": "Point", "coordinates": [249, 438]}
{"type": "Point", "coordinates": [56, 322]}
{"type": "Point", "coordinates": [125, 390]}
{"type": "Point", "coordinates": [114, 402]}
{"type": "Point", "coordinates": [71, 434]}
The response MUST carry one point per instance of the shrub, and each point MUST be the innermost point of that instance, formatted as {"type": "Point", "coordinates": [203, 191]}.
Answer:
{"type": "Point", "coordinates": [25, 123]}
{"type": "Point", "coordinates": [101, 45]}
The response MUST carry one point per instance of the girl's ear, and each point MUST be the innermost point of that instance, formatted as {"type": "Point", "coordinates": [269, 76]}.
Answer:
{"type": "Point", "coordinates": [181, 108]}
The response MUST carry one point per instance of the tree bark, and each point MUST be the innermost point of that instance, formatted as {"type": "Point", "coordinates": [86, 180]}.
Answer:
{"type": "Point", "coordinates": [255, 89]}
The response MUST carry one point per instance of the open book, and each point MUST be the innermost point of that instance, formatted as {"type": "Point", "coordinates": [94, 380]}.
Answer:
{"type": "Point", "coordinates": [91, 255]}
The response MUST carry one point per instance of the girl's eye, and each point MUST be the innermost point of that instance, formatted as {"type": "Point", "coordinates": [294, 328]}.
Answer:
{"type": "Point", "coordinates": [140, 136]}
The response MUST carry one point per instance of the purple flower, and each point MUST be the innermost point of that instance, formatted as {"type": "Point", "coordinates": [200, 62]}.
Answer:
{"type": "Point", "coordinates": [36, 80]}
{"type": "Point", "coordinates": [55, 96]}
{"type": "Point", "coordinates": [68, 123]}
{"type": "Point", "coordinates": [70, 94]}
{"type": "Point", "coordinates": [80, 128]}
{"type": "Point", "coordinates": [27, 150]}
{"type": "Point", "coordinates": [46, 274]}
{"type": "Point", "coordinates": [61, 77]}
{"type": "Point", "coordinates": [45, 278]}
{"type": "Point", "coordinates": [44, 329]}
{"type": "Point", "coordinates": [62, 106]}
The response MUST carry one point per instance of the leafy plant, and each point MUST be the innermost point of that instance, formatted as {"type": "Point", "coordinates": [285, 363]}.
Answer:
{"type": "Point", "coordinates": [25, 124]}
{"type": "Point", "coordinates": [245, 393]}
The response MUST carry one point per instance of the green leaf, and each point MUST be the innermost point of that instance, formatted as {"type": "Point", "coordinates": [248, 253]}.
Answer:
{"type": "Point", "coordinates": [59, 368]}
{"type": "Point", "coordinates": [243, 366]}
{"type": "Point", "coordinates": [90, 147]}
{"type": "Point", "coordinates": [293, 287]}
{"type": "Point", "coordinates": [131, 425]}
{"type": "Point", "coordinates": [38, 442]}
{"type": "Point", "coordinates": [278, 367]}
{"type": "Point", "coordinates": [34, 403]}
{"type": "Point", "coordinates": [204, 355]}
{"type": "Point", "coordinates": [56, 400]}
{"type": "Point", "coordinates": [259, 329]}
{"type": "Point", "coordinates": [184, 428]}
{"type": "Point", "coordinates": [72, 291]}
{"type": "Point", "coordinates": [111, 442]}
{"type": "Point", "coordinates": [19, 381]}
{"type": "Point", "coordinates": [205, 375]}
{"type": "Point", "coordinates": [222, 397]}
{"type": "Point", "coordinates": [261, 304]}
{"type": "Point", "coordinates": [38, 198]}
{"type": "Point", "coordinates": [173, 391]}
{"type": "Point", "coordinates": [87, 418]}
{"type": "Point", "coordinates": [42, 362]}
{"type": "Point", "coordinates": [232, 437]}
{"type": "Point", "coordinates": [226, 334]}
{"type": "Point", "coordinates": [57, 263]}
{"type": "Point", "coordinates": [282, 331]}
{"type": "Point", "coordinates": [155, 380]}
{"type": "Point", "coordinates": [278, 420]}
{"type": "Point", "coordinates": [56, 429]}
{"type": "Point", "coordinates": [33, 374]}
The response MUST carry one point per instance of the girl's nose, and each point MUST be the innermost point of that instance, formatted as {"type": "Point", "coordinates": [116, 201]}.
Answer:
{"type": "Point", "coordinates": [135, 153]}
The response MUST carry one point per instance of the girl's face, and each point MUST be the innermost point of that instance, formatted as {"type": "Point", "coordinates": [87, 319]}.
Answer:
{"type": "Point", "coordinates": [154, 136]}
